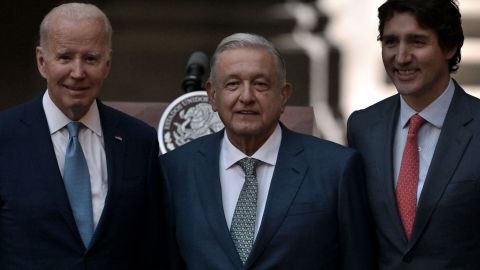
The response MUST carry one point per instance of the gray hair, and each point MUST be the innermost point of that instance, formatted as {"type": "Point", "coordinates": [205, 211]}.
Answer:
{"type": "Point", "coordinates": [76, 11]}
{"type": "Point", "coordinates": [247, 40]}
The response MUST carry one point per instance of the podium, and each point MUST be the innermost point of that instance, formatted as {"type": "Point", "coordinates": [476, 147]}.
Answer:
{"type": "Point", "coordinates": [297, 118]}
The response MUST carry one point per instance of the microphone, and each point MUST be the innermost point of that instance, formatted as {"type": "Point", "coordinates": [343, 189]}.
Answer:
{"type": "Point", "coordinates": [196, 67]}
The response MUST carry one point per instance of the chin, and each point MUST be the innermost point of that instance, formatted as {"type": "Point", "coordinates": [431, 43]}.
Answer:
{"type": "Point", "coordinates": [79, 104]}
{"type": "Point", "coordinates": [406, 88]}
{"type": "Point", "coordinates": [245, 130]}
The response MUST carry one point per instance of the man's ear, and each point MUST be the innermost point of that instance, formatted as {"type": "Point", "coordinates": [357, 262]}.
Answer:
{"type": "Point", "coordinates": [285, 94]}
{"type": "Point", "coordinates": [41, 63]}
{"type": "Point", "coordinates": [108, 63]}
{"type": "Point", "coordinates": [211, 94]}
{"type": "Point", "coordinates": [449, 53]}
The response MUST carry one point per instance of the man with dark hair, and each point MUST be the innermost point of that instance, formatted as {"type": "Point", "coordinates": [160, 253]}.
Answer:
{"type": "Point", "coordinates": [78, 179]}
{"type": "Point", "coordinates": [258, 195]}
{"type": "Point", "coordinates": [421, 146]}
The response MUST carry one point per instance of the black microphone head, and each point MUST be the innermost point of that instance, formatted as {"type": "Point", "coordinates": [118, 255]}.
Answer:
{"type": "Point", "coordinates": [198, 58]}
{"type": "Point", "coordinates": [196, 67]}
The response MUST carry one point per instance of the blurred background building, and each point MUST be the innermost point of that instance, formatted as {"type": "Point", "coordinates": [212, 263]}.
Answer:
{"type": "Point", "coordinates": [330, 46]}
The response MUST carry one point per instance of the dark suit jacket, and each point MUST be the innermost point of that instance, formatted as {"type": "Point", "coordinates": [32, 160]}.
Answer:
{"type": "Point", "coordinates": [315, 215]}
{"type": "Point", "coordinates": [37, 227]}
{"type": "Point", "coordinates": [446, 233]}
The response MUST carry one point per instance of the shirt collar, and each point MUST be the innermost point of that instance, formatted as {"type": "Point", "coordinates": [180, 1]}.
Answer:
{"type": "Point", "coordinates": [57, 119]}
{"type": "Point", "coordinates": [434, 113]}
{"type": "Point", "coordinates": [267, 153]}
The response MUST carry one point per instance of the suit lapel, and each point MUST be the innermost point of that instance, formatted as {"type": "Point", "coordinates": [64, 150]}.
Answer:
{"type": "Point", "coordinates": [207, 178]}
{"type": "Point", "coordinates": [453, 141]}
{"type": "Point", "coordinates": [114, 139]}
{"type": "Point", "coordinates": [382, 136]}
{"type": "Point", "coordinates": [43, 155]}
{"type": "Point", "coordinates": [289, 173]}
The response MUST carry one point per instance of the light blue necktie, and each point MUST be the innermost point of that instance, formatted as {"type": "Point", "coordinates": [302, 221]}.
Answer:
{"type": "Point", "coordinates": [242, 229]}
{"type": "Point", "coordinates": [77, 183]}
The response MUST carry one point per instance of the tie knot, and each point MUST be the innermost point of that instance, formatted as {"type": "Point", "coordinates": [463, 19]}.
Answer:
{"type": "Point", "coordinates": [73, 128]}
{"type": "Point", "coordinates": [416, 122]}
{"type": "Point", "coordinates": [248, 165]}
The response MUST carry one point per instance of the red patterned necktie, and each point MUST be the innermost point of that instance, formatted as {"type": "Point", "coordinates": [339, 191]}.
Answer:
{"type": "Point", "coordinates": [408, 176]}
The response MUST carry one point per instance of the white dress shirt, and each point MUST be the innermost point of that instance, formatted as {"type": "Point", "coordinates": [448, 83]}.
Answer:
{"type": "Point", "coordinates": [91, 140]}
{"type": "Point", "coordinates": [232, 176]}
{"type": "Point", "coordinates": [427, 137]}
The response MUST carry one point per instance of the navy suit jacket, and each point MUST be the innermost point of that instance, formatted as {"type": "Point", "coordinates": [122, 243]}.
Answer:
{"type": "Point", "coordinates": [37, 227]}
{"type": "Point", "coordinates": [446, 232]}
{"type": "Point", "coordinates": [315, 215]}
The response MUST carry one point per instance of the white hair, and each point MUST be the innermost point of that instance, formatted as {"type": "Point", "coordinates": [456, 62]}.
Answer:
{"type": "Point", "coordinates": [75, 11]}
{"type": "Point", "coordinates": [247, 40]}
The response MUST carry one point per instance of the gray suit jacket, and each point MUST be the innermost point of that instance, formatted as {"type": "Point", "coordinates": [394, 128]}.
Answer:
{"type": "Point", "coordinates": [315, 215]}
{"type": "Point", "coordinates": [446, 232]}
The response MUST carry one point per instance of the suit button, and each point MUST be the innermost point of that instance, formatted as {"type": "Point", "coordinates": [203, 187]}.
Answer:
{"type": "Point", "coordinates": [407, 258]}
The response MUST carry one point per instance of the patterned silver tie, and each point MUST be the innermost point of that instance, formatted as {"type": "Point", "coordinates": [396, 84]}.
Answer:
{"type": "Point", "coordinates": [242, 228]}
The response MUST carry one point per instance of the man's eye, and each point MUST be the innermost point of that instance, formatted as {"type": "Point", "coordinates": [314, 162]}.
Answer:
{"type": "Point", "coordinates": [261, 86]}
{"type": "Point", "coordinates": [91, 59]}
{"type": "Point", "coordinates": [63, 57]}
{"type": "Point", "coordinates": [419, 42]}
{"type": "Point", "coordinates": [388, 42]}
{"type": "Point", "coordinates": [231, 85]}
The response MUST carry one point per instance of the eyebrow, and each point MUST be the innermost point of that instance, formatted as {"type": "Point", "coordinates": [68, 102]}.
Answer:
{"type": "Point", "coordinates": [67, 51]}
{"type": "Point", "coordinates": [408, 36]}
{"type": "Point", "coordinates": [94, 54]}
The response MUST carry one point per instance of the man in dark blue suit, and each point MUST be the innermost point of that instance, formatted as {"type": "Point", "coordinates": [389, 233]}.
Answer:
{"type": "Point", "coordinates": [421, 147]}
{"type": "Point", "coordinates": [257, 195]}
{"type": "Point", "coordinates": [50, 217]}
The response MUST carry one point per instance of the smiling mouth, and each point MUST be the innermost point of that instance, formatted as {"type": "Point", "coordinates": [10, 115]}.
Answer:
{"type": "Point", "coordinates": [405, 72]}
{"type": "Point", "coordinates": [246, 113]}
{"type": "Point", "coordinates": [75, 88]}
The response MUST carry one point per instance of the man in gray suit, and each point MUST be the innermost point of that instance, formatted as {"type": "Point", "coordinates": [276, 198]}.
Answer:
{"type": "Point", "coordinates": [421, 146]}
{"type": "Point", "coordinates": [257, 195]}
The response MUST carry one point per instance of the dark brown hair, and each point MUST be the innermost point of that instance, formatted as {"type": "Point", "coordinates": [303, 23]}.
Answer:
{"type": "Point", "coordinates": [443, 16]}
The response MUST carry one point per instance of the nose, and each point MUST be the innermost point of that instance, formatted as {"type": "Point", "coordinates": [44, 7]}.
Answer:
{"type": "Point", "coordinates": [246, 93]}
{"type": "Point", "coordinates": [77, 69]}
{"type": "Point", "coordinates": [404, 55]}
